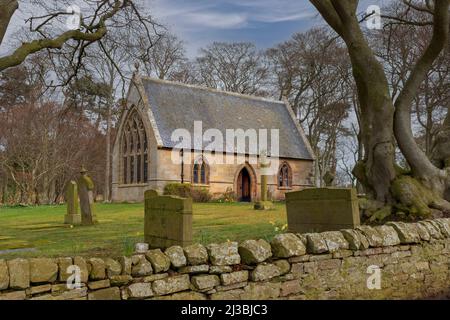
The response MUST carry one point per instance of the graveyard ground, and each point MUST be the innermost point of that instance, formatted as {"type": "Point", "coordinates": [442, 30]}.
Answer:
{"type": "Point", "coordinates": [39, 231]}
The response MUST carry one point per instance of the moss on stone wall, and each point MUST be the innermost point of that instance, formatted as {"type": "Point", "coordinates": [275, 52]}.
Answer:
{"type": "Point", "coordinates": [413, 260]}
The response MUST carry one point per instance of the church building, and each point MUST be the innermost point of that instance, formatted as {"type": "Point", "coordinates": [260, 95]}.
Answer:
{"type": "Point", "coordinates": [147, 153]}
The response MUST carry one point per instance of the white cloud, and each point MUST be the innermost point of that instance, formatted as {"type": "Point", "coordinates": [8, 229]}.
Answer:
{"type": "Point", "coordinates": [199, 22]}
{"type": "Point", "coordinates": [270, 11]}
{"type": "Point", "coordinates": [212, 14]}
{"type": "Point", "coordinates": [216, 20]}
{"type": "Point", "coordinates": [196, 15]}
{"type": "Point", "coordinates": [176, 9]}
{"type": "Point", "coordinates": [273, 18]}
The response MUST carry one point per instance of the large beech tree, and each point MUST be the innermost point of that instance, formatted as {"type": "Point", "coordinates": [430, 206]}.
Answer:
{"type": "Point", "coordinates": [386, 120]}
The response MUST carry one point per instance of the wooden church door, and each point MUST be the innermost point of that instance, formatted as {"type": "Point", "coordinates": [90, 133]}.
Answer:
{"type": "Point", "coordinates": [244, 186]}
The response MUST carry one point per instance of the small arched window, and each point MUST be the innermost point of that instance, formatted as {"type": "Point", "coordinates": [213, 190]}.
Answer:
{"type": "Point", "coordinates": [135, 150]}
{"type": "Point", "coordinates": [200, 172]}
{"type": "Point", "coordinates": [284, 176]}
{"type": "Point", "coordinates": [195, 173]}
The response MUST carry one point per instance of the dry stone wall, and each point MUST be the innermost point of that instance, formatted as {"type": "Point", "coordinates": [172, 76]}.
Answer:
{"type": "Point", "coordinates": [412, 259]}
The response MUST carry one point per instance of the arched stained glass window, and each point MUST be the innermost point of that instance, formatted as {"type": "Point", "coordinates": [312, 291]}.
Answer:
{"type": "Point", "coordinates": [203, 173]}
{"type": "Point", "coordinates": [285, 176]}
{"type": "Point", "coordinates": [135, 150]}
{"type": "Point", "coordinates": [200, 172]}
{"type": "Point", "coordinates": [195, 173]}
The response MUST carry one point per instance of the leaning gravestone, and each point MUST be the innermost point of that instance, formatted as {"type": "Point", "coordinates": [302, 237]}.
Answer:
{"type": "Point", "coordinates": [168, 220]}
{"type": "Point", "coordinates": [72, 216]}
{"type": "Point", "coordinates": [322, 209]}
{"type": "Point", "coordinates": [85, 190]}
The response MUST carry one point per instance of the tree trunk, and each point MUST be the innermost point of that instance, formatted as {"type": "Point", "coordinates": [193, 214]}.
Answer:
{"type": "Point", "coordinates": [422, 168]}
{"type": "Point", "coordinates": [106, 192]}
{"type": "Point", "coordinates": [51, 192]}
{"type": "Point", "coordinates": [441, 152]}
{"type": "Point", "coordinates": [317, 173]}
{"type": "Point", "coordinates": [441, 149]}
{"type": "Point", "coordinates": [5, 192]}
{"type": "Point", "coordinates": [377, 172]}
{"type": "Point", "coordinates": [6, 13]}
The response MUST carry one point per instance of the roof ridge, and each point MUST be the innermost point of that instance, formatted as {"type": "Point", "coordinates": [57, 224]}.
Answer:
{"type": "Point", "coordinates": [193, 86]}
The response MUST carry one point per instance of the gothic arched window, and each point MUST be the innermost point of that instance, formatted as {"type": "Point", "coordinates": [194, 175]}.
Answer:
{"type": "Point", "coordinates": [284, 176]}
{"type": "Point", "coordinates": [134, 150]}
{"type": "Point", "coordinates": [200, 172]}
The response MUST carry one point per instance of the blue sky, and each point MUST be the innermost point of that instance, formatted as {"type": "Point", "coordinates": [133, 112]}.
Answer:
{"type": "Point", "coordinates": [200, 22]}
{"type": "Point", "coordinates": [264, 22]}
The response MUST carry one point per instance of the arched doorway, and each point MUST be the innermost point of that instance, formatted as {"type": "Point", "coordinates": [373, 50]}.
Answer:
{"type": "Point", "coordinates": [244, 186]}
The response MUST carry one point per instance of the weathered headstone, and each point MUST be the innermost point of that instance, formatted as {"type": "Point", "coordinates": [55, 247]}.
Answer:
{"type": "Point", "coordinates": [264, 203]}
{"type": "Point", "coordinates": [72, 216]}
{"type": "Point", "coordinates": [150, 193]}
{"type": "Point", "coordinates": [85, 190]}
{"type": "Point", "coordinates": [322, 209]}
{"type": "Point", "coordinates": [168, 220]}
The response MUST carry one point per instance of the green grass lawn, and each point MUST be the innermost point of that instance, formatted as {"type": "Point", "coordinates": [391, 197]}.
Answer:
{"type": "Point", "coordinates": [121, 226]}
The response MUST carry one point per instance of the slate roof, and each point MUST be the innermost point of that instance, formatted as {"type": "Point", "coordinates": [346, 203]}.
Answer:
{"type": "Point", "coordinates": [175, 105]}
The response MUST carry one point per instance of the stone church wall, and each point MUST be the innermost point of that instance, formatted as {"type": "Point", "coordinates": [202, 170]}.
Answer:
{"type": "Point", "coordinates": [221, 177]}
{"type": "Point", "coordinates": [412, 261]}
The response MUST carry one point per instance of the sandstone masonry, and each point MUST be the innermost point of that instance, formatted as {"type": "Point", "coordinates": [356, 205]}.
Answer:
{"type": "Point", "coordinates": [414, 260]}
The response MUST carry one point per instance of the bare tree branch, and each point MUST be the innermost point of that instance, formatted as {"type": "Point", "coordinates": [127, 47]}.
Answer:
{"type": "Point", "coordinates": [420, 164]}
{"type": "Point", "coordinates": [92, 33]}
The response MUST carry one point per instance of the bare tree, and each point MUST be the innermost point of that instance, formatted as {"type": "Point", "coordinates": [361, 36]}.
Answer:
{"type": "Point", "coordinates": [399, 46]}
{"type": "Point", "coordinates": [165, 57]}
{"type": "Point", "coordinates": [49, 32]}
{"type": "Point", "coordinates": [41, 149]}
{"type": "Point", "coordinates": [236, 67]}
{"type": "Point", "coordinates": [312, 70]}
{"type": "Point", "coordinates": [184, 73]}
{"type": "Point", "coordinates": [90, 63]}
{"type": "Point", "coordinates": [441, 150]}
{"type": "Point", "coordinates": [348, 154]}
{"type": "Point", "coordinates": [112, 73]}
{"type": "Point", "coordinates": [380, 120]}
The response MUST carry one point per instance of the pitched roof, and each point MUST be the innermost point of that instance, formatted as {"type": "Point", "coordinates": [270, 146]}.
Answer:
{"type": "Point", "coordinates": [175, 105]}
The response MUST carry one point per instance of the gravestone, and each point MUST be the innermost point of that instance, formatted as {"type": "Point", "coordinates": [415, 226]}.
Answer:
{"type": "Point", "coordinates": [85, 190]}
{"type": "Point", "coordinates": [322, 209]}
{"type": "Point", "coordinates": [150, 193]}
{"type": "Point", "coordinates": [72, 216]}
{"type": "Point", "coordinates": [168, 220]}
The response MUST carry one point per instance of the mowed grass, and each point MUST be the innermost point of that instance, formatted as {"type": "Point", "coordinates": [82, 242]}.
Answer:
{"type": "Point", "coordinates": [121, 226]}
